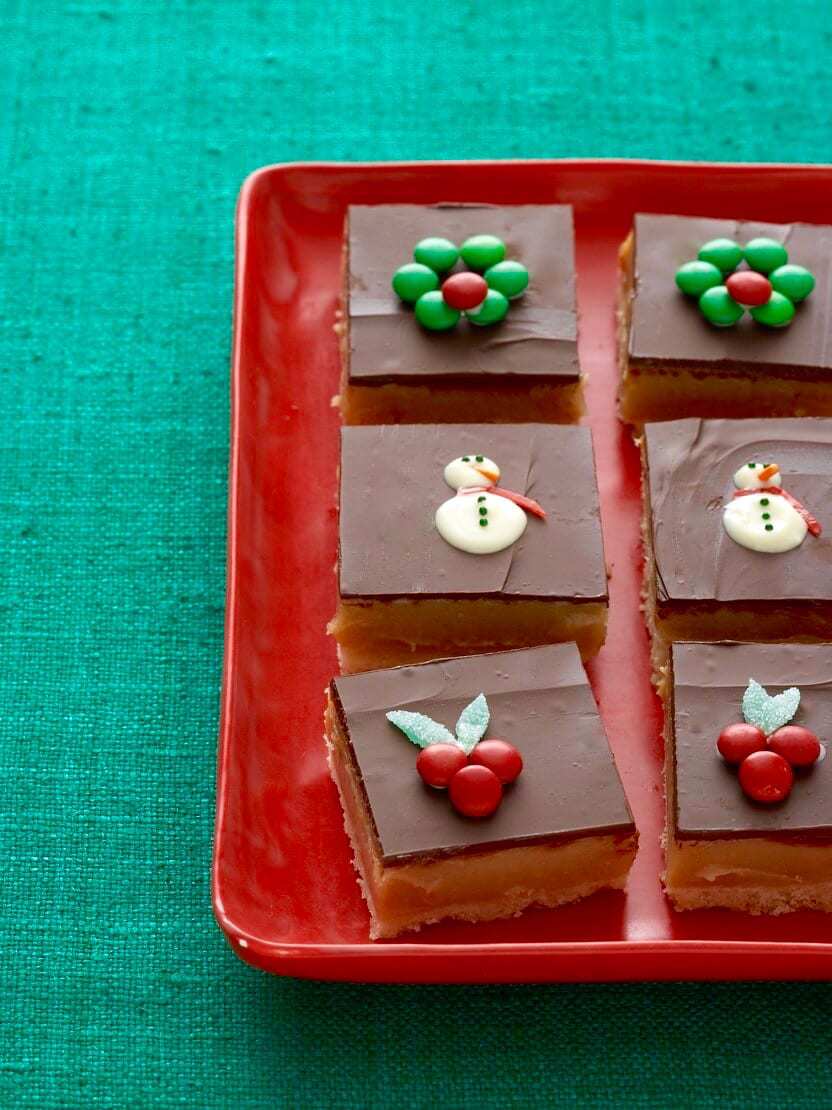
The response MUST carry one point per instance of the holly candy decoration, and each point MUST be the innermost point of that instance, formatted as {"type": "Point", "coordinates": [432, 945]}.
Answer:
{"type": "Point", "coordinates": [471, 769]}
{"type": "Point", "coordinates": [727, 279]}
{"type": "Point", "coordinates": [483, 292]}
{"type": "Point", "coordinates": [766, 748]}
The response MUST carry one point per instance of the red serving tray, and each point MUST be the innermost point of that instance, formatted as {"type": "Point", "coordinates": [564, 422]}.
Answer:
{"type": "Point", "coordinates": [284, 889]}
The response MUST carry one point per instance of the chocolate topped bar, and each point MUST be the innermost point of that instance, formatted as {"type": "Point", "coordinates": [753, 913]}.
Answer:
{"type": "Point", "coordinates": [393, 481]}
{"type": "Point", "coordinates": [537, 338]}
{"type": "Point", "coordinates": [709, 681]}
{"type": "Point", "coordinates": [539, 700]}
{"type": "Point", "coordinates": [720, 534]}
{"type": "Point", "coordinates": [667, 328]}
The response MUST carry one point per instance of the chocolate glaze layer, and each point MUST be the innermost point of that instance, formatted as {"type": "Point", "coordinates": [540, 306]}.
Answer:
{"type": "Point", "coordinates": [392, 484]}
{"type": "Point", "coordinates": [667, 327]}
{"type": "Point", "coordinates": [538, 338]}
{"type": "Point", "coordinates": [708, 683]}
{"type": "Point", "coordinates": [691, 464]}
{"type": "Point", "coordinates": [540, 701]}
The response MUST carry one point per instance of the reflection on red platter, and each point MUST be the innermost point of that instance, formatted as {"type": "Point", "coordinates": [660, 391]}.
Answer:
{"type": "Point", "coordinates": [284, 888]}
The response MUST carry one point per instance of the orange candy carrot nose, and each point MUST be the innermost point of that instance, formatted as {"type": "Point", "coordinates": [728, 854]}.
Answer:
{"type": "Point", "coordinates": [486, 473]}
{"type": "Point", "coordinates": [768, 472]}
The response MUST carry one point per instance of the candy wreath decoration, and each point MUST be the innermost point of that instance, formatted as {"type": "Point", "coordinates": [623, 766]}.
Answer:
{"type": "Point", "coordinates": [726, 279]}
{"type": "Point", "coordinates": [483, 293]}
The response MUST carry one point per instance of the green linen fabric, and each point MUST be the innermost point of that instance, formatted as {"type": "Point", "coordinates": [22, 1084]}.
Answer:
{"type": "Point", "coordinates": [126, 129]}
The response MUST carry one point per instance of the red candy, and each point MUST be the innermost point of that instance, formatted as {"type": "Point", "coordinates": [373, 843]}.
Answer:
{"type": "Point", "coordinates": [740, 740]}
{"type": "Point", "coordinates": [464, 291]}
{"type": "Point", "coordinates": [500, 757]}
{"type": "Point", "coordinates": [438, 763]}
{"type": "Point", "coordinates": [766, 777]}
{"type": "Point", "coordinates": [796, 744]}
{"type": "Point", "coordinates": [476, 791]}
{"type": "Point", "coordinates": [749, 288]}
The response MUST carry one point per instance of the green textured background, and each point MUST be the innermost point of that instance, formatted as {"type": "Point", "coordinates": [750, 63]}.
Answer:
{"type": "Point", "coordinates": [125, 131]}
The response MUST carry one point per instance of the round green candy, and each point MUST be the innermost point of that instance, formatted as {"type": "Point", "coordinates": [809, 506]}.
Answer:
{"type": "Point", "coordinates": [777, 312]}
{"type": "Point", "coordinates": [695, 277]}
{"type": "Point", "coordinates": [482, 251]}
{"type": "Point", "coordinates": [719, 307]}
{"type": "Point", "coordinates": [434, 313]}
{"type": "Point", "coordinates": [765, 255]}
{"type": "Point", "coordinates": [412, 280]}
{"type": "Point", "coordinates": [725, 254]}
{"type": "Point", "coordinates": [793, 282]}
{"type": "Point", "coordinates": [509, 278]}
{"type": "Point", "coordinates": [492, 310]}
{"type": "Point", "coordinates": [438, 254]}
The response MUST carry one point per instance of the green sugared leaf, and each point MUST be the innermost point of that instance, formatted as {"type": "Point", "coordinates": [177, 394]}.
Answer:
{"type": "Point", "coordinates": [420, 729]}
{"type": "Point", "coordinates": [472, 723]}
{"type": "Point", "coordinates": [766, 712]}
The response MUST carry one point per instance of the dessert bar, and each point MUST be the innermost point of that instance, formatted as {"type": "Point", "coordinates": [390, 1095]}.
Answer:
{"type": "Point", "coordinates": [722, 318]}
{"type": "Point", "coordinates": [458, 312]}
{"type": "Point", "coordinates": [456, 539]}
{"type": "Point", "coordinates": [749, 793]}
{"type": "Point", "coordinates": [475, 787]}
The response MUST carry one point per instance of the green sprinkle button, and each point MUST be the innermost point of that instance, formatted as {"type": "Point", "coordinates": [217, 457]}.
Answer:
{"type": "Point", "coordinates": [438, 254]}
{"type": "Point", "coordinates": [481, 251]}
{"type": "Point", "coordinates": [491, 311]}
{"type": "Point", "coordinates": [412, 280]}
{"type": "Point", "coordinates": [777, 312]}
{"type": "Point", "coordinates": [765, 255]}
{"type": "Point", "coordinates": [695, 277]}
{"type": "Point", "coordinates": [718, 306]}
{"type": "Point", "coordinates": [509, 278]}
{"type": "Point", "coordinates": [794, 282]}
{"type": "Point", "coordinates": [725, 254]}
{"type": "Point", "coordinates": [434, 314]}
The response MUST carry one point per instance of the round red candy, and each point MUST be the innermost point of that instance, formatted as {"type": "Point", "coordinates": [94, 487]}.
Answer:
{"type": "Point", "coordinates": [796, 744]}
{"type": "Point", "coordinates": [500, 757]}
{"type": "Point", "coordinates": [740, 740]}
{"type": "Point", "coordinates": [464, 291]}
{"type": "Point", "coordinates": [438, 763]}
{"type": "Point", "coordinates": [766, 777]}
{"type": "Point", "coordinates": [475, 791]}
{"type": "Point", "coordinates": [749, 288]}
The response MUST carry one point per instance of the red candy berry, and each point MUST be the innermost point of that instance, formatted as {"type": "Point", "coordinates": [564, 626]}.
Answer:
{"type": "Point", "coordinates": [475, 791]}
{"type": "Point", "coordinates": [740, 740]}
{"type": "Point", "coordinates": [464, 291]}
{"type": "Point", "coordinates": [747, 287]}
{"type": "Point", "coordinates": [438, 763]}
{"type": "Point", "coordinates": [766, 777]}
{"type": "Point", "coordinates": [798, 745]}
{"type": "Point", "coordinates": [500, 757]}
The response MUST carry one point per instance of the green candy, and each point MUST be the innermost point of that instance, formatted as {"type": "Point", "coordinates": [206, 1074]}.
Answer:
{"type": "Point", "coordinates": [765, 255]}
{"type": "Point", "coordinates": [695, 277]}
{"type": "Point", "coordinates": [412, 280]}
{"type": "Point", "coordinates": [438, 254]}
{"type": "Point", "coordinates": [793, 282]}
{"type": "Point", "coordinates": [483, 251]}
{"type": "Point", "coordinates": [725, 254]}
{"type": "Point", "coordinates": [777, 312]}
{"type": "Point", "coordinates": [492, 310]}
{"type": "Point", "coordinates": [719, 307]}
{"type": "Point", "coordinates": [509, 278]}
{"type": "Point", "coordinates": [434, 314]}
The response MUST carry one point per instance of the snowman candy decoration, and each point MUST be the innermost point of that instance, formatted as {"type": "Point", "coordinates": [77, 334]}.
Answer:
{"type": "Point", "coordinates": [762, 516]}
{"type": "Point", "coordinates": [482, 518]}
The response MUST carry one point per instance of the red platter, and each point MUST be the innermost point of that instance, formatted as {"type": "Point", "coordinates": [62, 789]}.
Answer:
{"type": "Point", "coordinates": [284, 889]}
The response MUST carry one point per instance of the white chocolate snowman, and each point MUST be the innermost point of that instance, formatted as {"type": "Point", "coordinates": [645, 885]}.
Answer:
{"type": "Point", "coordinates": [762, 521]}
{"type": "Point", "coordinates": [478, 522]}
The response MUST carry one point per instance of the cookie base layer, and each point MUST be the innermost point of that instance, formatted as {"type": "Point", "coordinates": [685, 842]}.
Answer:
{"type": "Point", "coordinates": [651, 391]}
{"type": "Point", "coordinates": [480, 886]}
{"type": "Point", "coordinates": [373, 634]}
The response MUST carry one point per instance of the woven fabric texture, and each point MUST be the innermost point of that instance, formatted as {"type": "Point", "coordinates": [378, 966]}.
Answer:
{"type": "Point", "coordinates": [126, 130]}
